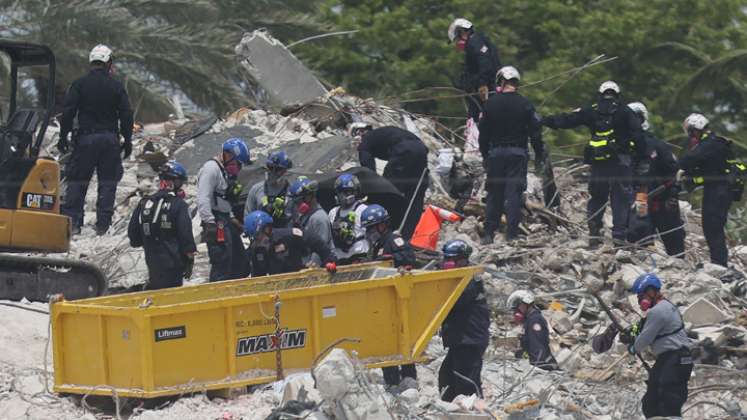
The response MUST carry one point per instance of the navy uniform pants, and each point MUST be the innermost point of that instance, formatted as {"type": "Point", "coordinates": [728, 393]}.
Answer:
{"type": "Point", "coordinates": [98, 152]}
{"type": "Point", "coordinates": [506, 182]}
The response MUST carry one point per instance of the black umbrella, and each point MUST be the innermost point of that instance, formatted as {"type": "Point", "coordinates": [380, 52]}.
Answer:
{"type": "Point", "coordinates": [374, 186]}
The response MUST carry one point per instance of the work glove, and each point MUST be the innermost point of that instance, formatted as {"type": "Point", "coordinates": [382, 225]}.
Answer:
{"type": "Point", "coordinates": [626, 336]}
{"type": "Point", "coordinates": [63, 144]}
{"type": "Point", "coordinates": [126, 148]}
{"type": "Point", "coordinates": [640, 206]}
{"type": "Point", "coordinates": [209, 233]}
{"type": "Point", "coordinates": [331, 267]}
{"type": "Point", "coordinates": [679, 176]}
{"type": "Point", "coordinates": [189, 265]}
{"type": "Point", "coordinates": [483, 93]}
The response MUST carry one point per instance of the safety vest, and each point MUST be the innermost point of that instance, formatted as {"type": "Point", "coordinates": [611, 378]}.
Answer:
{"type": "Point", "coordinates": [274, 204]}
{"type": "Point", "coordinates": [603, 143]}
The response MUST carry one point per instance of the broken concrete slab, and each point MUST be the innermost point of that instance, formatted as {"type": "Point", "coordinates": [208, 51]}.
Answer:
{"type": "Point", "coordinates": [284, 79]}
{"type": "Point", "coordinates": [703, 312]}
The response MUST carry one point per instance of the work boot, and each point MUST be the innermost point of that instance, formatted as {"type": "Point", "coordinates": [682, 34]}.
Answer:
{"type": "Point", "coordinates": [595, 236]}
{"type": "Point", "coordinates": [75, 230]}
{"type": "Point", "coordinates": [486, 238]}
{"type": "Point", "coordinates": [101, 230]}
{"type": "Point", "coordinates": [619, 243]}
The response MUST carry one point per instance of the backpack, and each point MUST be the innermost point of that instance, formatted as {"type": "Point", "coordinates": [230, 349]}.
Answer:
{"type": "Point", "coordinates": [155, 217]}
{"type": "Point", "coordinates": [602, 145]}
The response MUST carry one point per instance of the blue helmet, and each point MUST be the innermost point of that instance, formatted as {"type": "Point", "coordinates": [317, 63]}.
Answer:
{"type": "Point", "coordinates": [279, 159]}
{"type": "Point", "coordinates": [238, 149]}
{"type": "Point", "coordinates": [302, 186]}
{"type": "Point", "coordinates": [456, 248]}
{"type": "Point", "coordinates": [373, 215]}
{"type": "Point", "coordinates": [347, 189]}
{"type": "Point", "coordinates": [644, 281]}
{"type": "Point", "coordinates": [255, 221]}
{"type": "Point", "coordinates": [172, 170]}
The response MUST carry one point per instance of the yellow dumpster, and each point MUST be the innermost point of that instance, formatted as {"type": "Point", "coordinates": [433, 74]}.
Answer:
{"type": "Point", "coordinates": [249, 331]}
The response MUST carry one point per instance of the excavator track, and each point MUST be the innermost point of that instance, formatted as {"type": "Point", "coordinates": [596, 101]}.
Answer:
{"type": "Point", "coordinates": [38, 278]}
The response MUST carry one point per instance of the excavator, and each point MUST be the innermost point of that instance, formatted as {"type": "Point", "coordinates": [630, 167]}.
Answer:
{"type": "Point", "coordinates": [30, 221]}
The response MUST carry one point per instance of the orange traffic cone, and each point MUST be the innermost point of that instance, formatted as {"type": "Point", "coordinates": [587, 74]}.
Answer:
{"type": "Point", "coordinates": [429, 227]}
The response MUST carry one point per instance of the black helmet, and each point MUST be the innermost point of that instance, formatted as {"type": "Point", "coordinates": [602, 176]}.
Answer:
{"type": "Point", "coordinates": [456, 248]}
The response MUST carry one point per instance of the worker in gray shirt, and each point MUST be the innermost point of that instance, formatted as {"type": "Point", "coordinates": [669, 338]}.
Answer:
{"type": "Point", "coordinates": [306, 213]}
{"type": "Point", "coordinates": [664, 330]}
{"type": "Point", "coordinates": [217, 193]}
{"type": "Point", "coordinates": [270, 195]}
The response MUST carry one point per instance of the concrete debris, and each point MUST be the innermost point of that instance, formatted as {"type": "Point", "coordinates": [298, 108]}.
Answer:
{"type": "Point", "coordinates": [703, 312]}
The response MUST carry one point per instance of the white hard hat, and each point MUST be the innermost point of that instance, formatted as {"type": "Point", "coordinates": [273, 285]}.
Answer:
{"type": "Point", "coordinates": [100, 53]}
{"type": "Point", "coordinates": [358, 125]}
{"type": "Point", "coordinates": [508, 73]}
{"type": "Point", "coordinates": [695, 121]}
{"type": "Point", "coordinates": [609, 85]}
{"type": "Point", "coordinates": [641, 110]}
{"type": "Point", "coordinates": [520, 296]}
{"type": "Point", "coordinates": [458, 23]}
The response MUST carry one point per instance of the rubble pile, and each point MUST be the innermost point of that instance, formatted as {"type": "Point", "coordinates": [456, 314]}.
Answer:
{"type": "Point", "coordinates": [552, 259]}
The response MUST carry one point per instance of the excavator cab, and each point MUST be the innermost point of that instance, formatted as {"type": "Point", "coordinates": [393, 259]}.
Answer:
{"type": "Point", "coordinates": [30, 217]}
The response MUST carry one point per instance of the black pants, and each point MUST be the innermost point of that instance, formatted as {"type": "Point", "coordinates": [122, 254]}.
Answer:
{"type": "Point", "coordinates": [610, 180]}
{"type": "Point", "coordinates": [716, 203]}
{"type": "Point", "coordinates": [227, 258]}
{"type": "Point", "coordinates": [93, 152]}
{"type": "Point", "coordinates": [393, 375]}
{"type": "Point", "coordinates": [467, 361]}
{"type": "Point", "coordinates": [404, 172]}
{"type": "Point", "coordinates": [665, 216]}
{"type": "Point", "coordinates": [666, 388]}
{"type": "Point", "coordinates": [474, 107]}
{"type": "Point", "coordinates": [161, 278]}
{"type": "Point", "coordinates": [506, 182]}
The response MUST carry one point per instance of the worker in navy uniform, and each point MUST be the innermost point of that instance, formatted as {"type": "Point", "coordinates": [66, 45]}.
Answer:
{"type": "Point", "coordinates": [707, 164]}
{"type": "Point", "coordinates": [387, 244]}
{"type": "Point", "coordinates": [481, 63]}
{"type": "Point", "coordinates": [406, 169]}
{"type": "Point", "coordinates": [281, 250]}
{"type": "Point", "coordinates": [535, 342]}
{"type": "Point", "coordinates": [217, 194]}
{"type": "Point", "coordinates": [616, 151]}
{"type": "Point", "coordinates": [508, 123]}
{"type": "Point", "coordinates": [103, 109]}
{"type": "Point", "coordinates": [270, 195]}
{"type": "Point", "coordinates": [348, 235]}
{"type": "Point", "coordinates": [162, 226]}
{"type": "Point", "coordinates": [663, 208]}
{"type": "Point", "coordinates": [664, 331]}
{"type": "Point", "coordinates": [465, 331]}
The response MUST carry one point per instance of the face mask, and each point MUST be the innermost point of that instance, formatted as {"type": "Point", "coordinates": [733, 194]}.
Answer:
{"type": "Point", "coordinates": [373, 235]}
{"type": "Point", "coordinates": [345, 200]}
{"type": "Point", "coordinates": [461, 44]}
{"type": "Point", "coordinates": [518, 316]}
{"type": "Point", "coordinates": [303, 208]}
{"type": "Point", "coordinates": [233, 168]}
{"type": "Point", "coordinates": [448, 265]}
{"type": "Point", "coordinates": [166, 184]}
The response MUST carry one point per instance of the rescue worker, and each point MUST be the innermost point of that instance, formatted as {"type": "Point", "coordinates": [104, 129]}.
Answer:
{"type": "Point", "coordinates": [162, 226]}
{"type": "Point", "coordinates": [706, 164]}
{"type": "Point", "coordinates": [465, 331]}
{"type": "Point", "coordinates": [215, 199]}
{"type": "Point", "coordinates": [270, 195]}
{"type": "Point", "coordinates": [664, 330]}
{"type": "Point", "coordinates": [102, 107]}
{"type": "Point", "coordinates": [281, 250]}
{"type": "Point", "coordinates": [348, 235]}
{"type": "Point", "coordinates": [509, 121]}
{"type": "Point", "coordinates": [387, 244]}
{"type": "Point", "coordinates": [306, 212]}
{"type": "Point", "coordinates": [406, 168]}
{"type": "Point", "coordinates": [615, 152]}
{"type": "Point", "coordinates": [535, 342]}
{"type": "Point", "coordinates": [662, 204]}
{"type": "Point", "coordinates": [480, 64]}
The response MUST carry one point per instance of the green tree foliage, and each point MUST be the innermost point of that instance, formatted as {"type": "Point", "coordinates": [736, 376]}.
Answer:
{"type": "Point", "coordinates": [677, 57]}
{"type": "Point", "coordinates": [160, 46]}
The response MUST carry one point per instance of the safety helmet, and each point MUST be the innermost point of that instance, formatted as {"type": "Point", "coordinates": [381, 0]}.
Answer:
{"type": "Point", "coordinates": [644, 281]}
{"type": "Point", "coordinates": [278, 159]}
{"type": "Point", "coordinates": [520, 296]}
{"type": "Point", "coordinates": [695, 122]}
{"type": "Point", "coordinates": [373, 215]}
{"type": "Point", "coordinates": [457, 24]}
{"type": "Point", "coordinates": [255, 221]}
{"type": "Point", "coordinates": [609, 85]}
{"type": "Point", "coordinates": [358, 127]}
{"type": "Point", "coordinates": [347, 185]}
{"type": "Point", "coordinates": [100, 53]}
{"type": "Point", "coordinates": [507, 73]}
{"type": "Point", "coordinates": [302, 186]}
{"type": "Point", "coordinates": [172, 170]}
{"type": "Point", "coordinates": [642, 112]}
{"type": "Point", "coordinates": [238, 149]}
{"type": "Point", "coordinates": [456, 248]}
